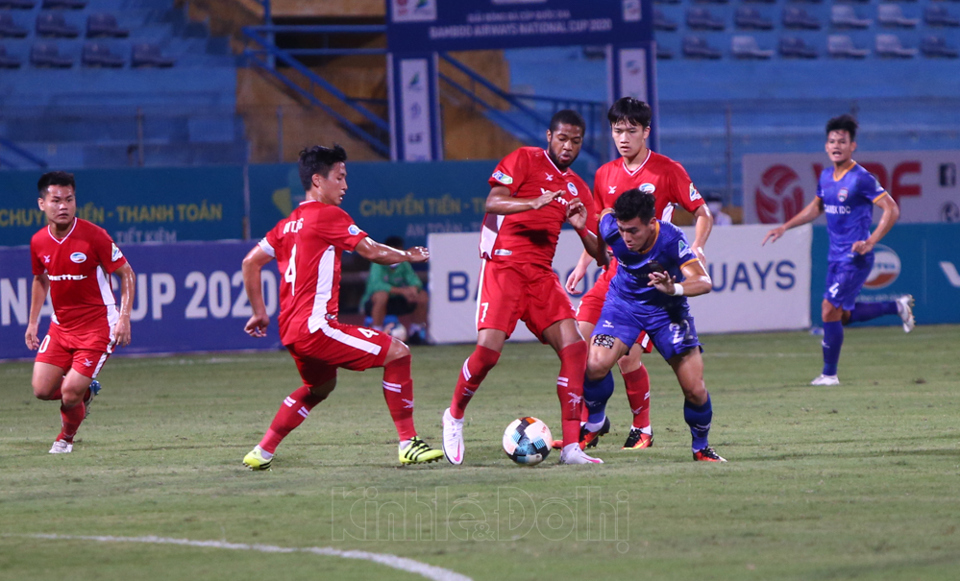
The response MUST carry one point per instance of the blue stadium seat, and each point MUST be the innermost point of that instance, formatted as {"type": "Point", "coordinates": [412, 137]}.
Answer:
{"type": "Point", "coordinates": [892, 15]}
{"type": "Point", "coordinates": [97, 54]}
{"type": "Point", "coordinates": [795, 47]}
{"type": "Point", "coordinates": [64, 4]}
{"type": "Point", "coordinates": [842, 46]}
{"type": "Point", "coordinates": [53, 24]}
{"type": "Point", "coordinates": [702, 19]}
{"type": "Point", "coordinates": [47, 54]}
{"type": "Point", "coordinates": [8, 61]}
{"type": "Point", "coordinates": [17, 4]}
{"type": "Point", "coordinates": [105, 25]}
{"type": "Point", "coordinates": [935, 15]}
{"type": "Point", "coordinates": [750, 18]}
{"type": "Point", "coordinates": [664, 52]}
{"type": "Point", "coordinates": [889, 45]}
{"type": "Point", "coordinates": [794, 17]}
{"type": "Point", "coordinates": [697, 48]}
{"type": "Point", "coordinates": [844, 16]}
{"type": "Point", "coordinates": [148, 55]}
{"type": "Point", "coordinates": [9, 28]}
{"type": "Point", "coordinates": [661, 22]}
{"type": "Point", "coordinates": [746, 47]}
{"type": "Point", "coordinates": [935, 46]}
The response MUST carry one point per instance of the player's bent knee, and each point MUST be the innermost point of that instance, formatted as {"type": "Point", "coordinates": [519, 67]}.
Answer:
{"type": "Point", "coordinates": [398, 350]}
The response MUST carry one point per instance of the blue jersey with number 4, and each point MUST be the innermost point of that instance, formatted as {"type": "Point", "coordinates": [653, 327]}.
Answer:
{"type": "Point", "coordinates": [848, 203]}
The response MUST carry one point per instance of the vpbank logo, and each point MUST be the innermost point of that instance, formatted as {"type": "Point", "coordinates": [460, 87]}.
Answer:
{"type": "Point", "coordinates": [886, 268]}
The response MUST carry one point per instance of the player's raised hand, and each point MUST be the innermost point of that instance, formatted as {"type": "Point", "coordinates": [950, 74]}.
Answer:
{"type": "Point", "coordinates": [121, 331]}
{"type": "Point", "coordinates": [257, 325]}
{"type": "Point", "coordinates": [774, 235]}
{"type": "Point", "coordinates": [662, 281]}
{"type": "Point", "coordinates": [573, 281]}
{"type": "Point", "coordinates": [577, 214]}
{"type": "Point", "coordinates": [419, 254]}
{"type": "Point", "coordinates": [544, 199]}
{"type": "Point", "coordinates": [31, 338]}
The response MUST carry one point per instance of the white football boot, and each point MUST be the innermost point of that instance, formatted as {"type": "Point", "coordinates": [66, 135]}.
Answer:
{"type": "Point", "coordinates": [572, 454]}
{"type": "Point", "coordinates": [826, 380]}
{"type": "Point", "coordinates": [61, 447]}
{"type": "Point", "coordinates": [905, 310]}
{"type": "Point", "coordinates": [452, 438]}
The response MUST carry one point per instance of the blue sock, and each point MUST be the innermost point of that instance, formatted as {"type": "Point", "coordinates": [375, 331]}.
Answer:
{"type": "Point", "coordinates": [595, 396]}
{"type": "Point", "coordinates": [698, 417]}
{"type": "Point", "coordinates": [832, 342]}
{"type": "Point", "coordinates": [867, 311]}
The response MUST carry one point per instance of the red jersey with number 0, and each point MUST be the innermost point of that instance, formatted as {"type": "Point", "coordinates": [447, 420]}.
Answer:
{"type": "Point", "coordinates": [658, 174]}
{"type": "Point", "coordinates": [78, 267]}
{"type": "Point", "coordinates": [308, 245]}
{"type": "Point", "coordinates": [531, 236]}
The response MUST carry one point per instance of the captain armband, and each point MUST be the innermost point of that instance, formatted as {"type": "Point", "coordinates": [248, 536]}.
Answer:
{"type": "Point", "coordinates": [605, 341]}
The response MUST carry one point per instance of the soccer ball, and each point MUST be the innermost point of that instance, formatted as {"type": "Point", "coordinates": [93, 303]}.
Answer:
{"type": "Point", "coordinates": [527, 441]}
{"type": "Point", "coordinates": [397, 331]}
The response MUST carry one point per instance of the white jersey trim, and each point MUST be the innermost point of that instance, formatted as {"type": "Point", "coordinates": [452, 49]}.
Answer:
{"type": "Point", "coordinates": [62, 240]}
{"type": "Point", "coordinates": [324, 290]}
{"type": "Point", "coordinates": [265, 246]}
{"type": "Point", "coordinates": [489, 233]}
{"type": "Point", "coordinates": [636, 171]}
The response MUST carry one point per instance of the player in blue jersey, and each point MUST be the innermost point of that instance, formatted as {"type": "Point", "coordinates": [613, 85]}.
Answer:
{"type": "Point", "coordinates": [847, 194]}
{"type": "Point", "coordinates": [657, 270]}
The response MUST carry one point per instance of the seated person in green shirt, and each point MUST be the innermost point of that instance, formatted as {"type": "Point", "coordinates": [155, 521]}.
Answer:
{"type": "Point", "coordinates": [396, 290]}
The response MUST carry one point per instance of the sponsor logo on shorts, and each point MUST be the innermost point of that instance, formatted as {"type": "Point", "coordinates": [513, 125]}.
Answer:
{"type": "Point", "coordinates": [886, 268]}
{"type": "Point", "coordinates": [502, 252]}
{"type": "Point", "coordinates": [502, 178]}
{"type": "Point", "coordinates": [78, 257]}
{"type": "Point", "coordinates": [607, 325]}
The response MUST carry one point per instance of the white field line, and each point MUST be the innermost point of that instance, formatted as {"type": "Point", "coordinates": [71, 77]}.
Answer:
{"type": "Point", "coordinates": [393, 561]}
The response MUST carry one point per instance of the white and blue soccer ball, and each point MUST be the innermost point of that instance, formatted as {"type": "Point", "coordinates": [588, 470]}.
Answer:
{"type": "Point", "coordinates": [396, 330]}
{"type": "Point", "coordinates": [527, 441]}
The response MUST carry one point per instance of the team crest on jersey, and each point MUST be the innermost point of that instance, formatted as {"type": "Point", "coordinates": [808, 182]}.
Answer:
{"type": "Point", "coordinates": [353, 230]}
{"type": "Point", "coordinates": [694, 194]}
{"type": "Point", "coordinates": [573, 189]}
{"type": "Point", "coordinates": [683, 248]}
{"type": "Point", "coordinates": [842, 194]}
{"type": "Point", "coordinates": [115, 253]}
{"type": "Point", "coordinates": [647, 188]}
{"type": "Point", "coordinates": [78, 257]}
{"type": "Point", "coordinates": [502, 178]}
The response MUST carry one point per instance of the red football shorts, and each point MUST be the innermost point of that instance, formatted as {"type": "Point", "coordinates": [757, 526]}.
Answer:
{"type": "Point", "coordinates": [511, 292]}
{"type": "Point", "coordinates": [336, 345]}
{"type": "Point", "coordinates": [592, 303]}
{"type": "Point", "coordinates": [84, 353]}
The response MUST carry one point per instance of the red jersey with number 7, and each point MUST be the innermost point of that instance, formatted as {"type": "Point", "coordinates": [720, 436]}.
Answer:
{"type": "Point", "coordinates": [308, 245]}
{"type": "Point", "coordinates": [658, 175]}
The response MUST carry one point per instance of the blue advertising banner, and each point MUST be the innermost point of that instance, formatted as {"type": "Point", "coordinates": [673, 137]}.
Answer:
{"type": "Point", "coordinates": [189, 297]}
{"type": "Point", "coordinates": [135, 205]}
{"type": "Point", "coordinates": [912, 259]}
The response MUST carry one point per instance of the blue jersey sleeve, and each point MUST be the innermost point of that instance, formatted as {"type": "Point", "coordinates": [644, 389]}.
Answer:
{"type": "Point", "coordinates": [869, 187]}
{"type": "Point", "coordinates": [608, 226]}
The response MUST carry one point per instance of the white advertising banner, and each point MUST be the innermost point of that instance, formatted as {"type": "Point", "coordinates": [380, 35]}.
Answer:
{"type": "Point", "coordinates": [924, 183]}
{"type": "Point", "coordinates": [755, 288]}
{"type": "Point", "coordinates": [414, 83]}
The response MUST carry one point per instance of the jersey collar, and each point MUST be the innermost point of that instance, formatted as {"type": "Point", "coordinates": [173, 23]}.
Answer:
{"type": "Point", "coordinates": [656, 236]}
{"type": "Point", "coordinates": [564, 173]}
{"type": "Point", "coordinates": [623, 164]}
{"type": "Point", "coordinates": [61, 240]}
{"type": "Point", "coordinates": [837, 178]}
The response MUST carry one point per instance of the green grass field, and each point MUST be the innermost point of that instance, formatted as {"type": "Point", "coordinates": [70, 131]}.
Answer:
{"type": "Point", "coordinates": [860, 481]}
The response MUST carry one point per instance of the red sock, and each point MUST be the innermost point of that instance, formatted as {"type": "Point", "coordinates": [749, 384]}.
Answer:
{"type": "Point", "coordinates": [398, 391]}
{"type": "Point", "coordinates": [474, 370]}
{"type": "Point", "coordinates": [573, 366]}
{"type": "Point", "coordinates": [295, 408]}
{"type": "Point", "coordinates": [638, 394]}
{"type": "Point", "coordinates": [70, 419]}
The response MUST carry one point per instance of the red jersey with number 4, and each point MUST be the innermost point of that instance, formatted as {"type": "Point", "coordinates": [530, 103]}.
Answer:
{"type": "Point", "coordinates": [531, 236]}
{"type": "Point", "coordinates": [658, 175]}
{"type": "Point", "coordinates": [79, 267]}
{"type": "Point", "coordinates": [308, 245]}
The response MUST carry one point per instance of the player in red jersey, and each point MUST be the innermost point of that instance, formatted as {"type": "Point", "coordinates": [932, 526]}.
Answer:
{"type": "Point", "coordinates": [73, 260]}
{"type": "Point", "coordinates": [638, 167]}
{"type": "Point", "coordinates": [307, 246]}
{"type": "Point", "coordinates": [533, 193]}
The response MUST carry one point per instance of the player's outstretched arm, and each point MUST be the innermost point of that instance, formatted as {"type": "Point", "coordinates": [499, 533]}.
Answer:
{"type": "Point", "coordinates": [696, 281]}
{"type": "Point", "coordinates": [41, 284]}
{"type": "Point", "coordinates": [577, 215]}
{"type": "Point", "coordinates": [891, 213]}
{"type": "Point", "coordinates": [810, 213]}
{"type": "Point", "coordinates": [128, 289]}
{"type": "Point", "coordinates": [383, 254]}
{"type": "Point", "coordinates": [253, 263]}
{"type": "Point", "coordinates": [502, 203]}
{"type": "Point", "coordinates": [702, 228]}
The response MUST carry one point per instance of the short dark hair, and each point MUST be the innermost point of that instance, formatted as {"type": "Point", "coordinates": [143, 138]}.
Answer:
{"type": "Point", "coordinates": [844, 122]}
{"type": "Point", "coordinates": [568, 117]}
{"type": "Point", "coordinates": [55, 178]}
{"type": "Point", "coordinates": [394, 242]}
{"type": "Point", "coordinates": [319, 160]}
{"type": "Point", "coordinates": [633, 111]}
{"type": "Point", "coordinates": [635, 204]}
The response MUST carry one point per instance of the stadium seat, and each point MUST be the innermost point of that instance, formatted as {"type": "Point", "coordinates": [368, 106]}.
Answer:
{"type": "Point", "coordinates": [7, 61]}
{"type": "Point", "coordinates": [702, 19]}
{"type": "Point", "coordinates": [746, 47]}
{"type": "Point", "coordinates": [53, 24]}
{"type": "Point", "coordinates": [697, 48]}
{"type": "Point", "coordinates": [661, 22]}
{"type": "Point", "coordinates": [47, 54]}
{"type": "Point", "coordinates": [97, 54]}
{"type": "Point", "coordinates": [841, 46]}
{"type": "Point", "coordinates": [9, 28]}
{"type": "Point", "coordinates": [844, 16]}
{"type": "Point", "coordinates": [888, 45]}
{"type": "Point", "coordinates": [664, 52]}
{"type": "Point", "coordinates": [64, 4]}
{"type": "Point", "coordinates": [935, 46]}
{"type": "Point", "coordinates": [17, 4]}
{"type": "Point", "coordinates": [105, 25]}
{"type": "Point", "coordinates": [892, 15]}
{"type": "Point", "coordinates": [794, 47]}
{"type": "Point", "coordinates": [667, 1]}
{"type": "Point", "coordinates": [750, 18]}
{"type": "Point", "coordinates": [148, 55]}
{"type": "Point", "coordinates": [794, 17]}
{"type": "Point", "coordinates": [939, 16]}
